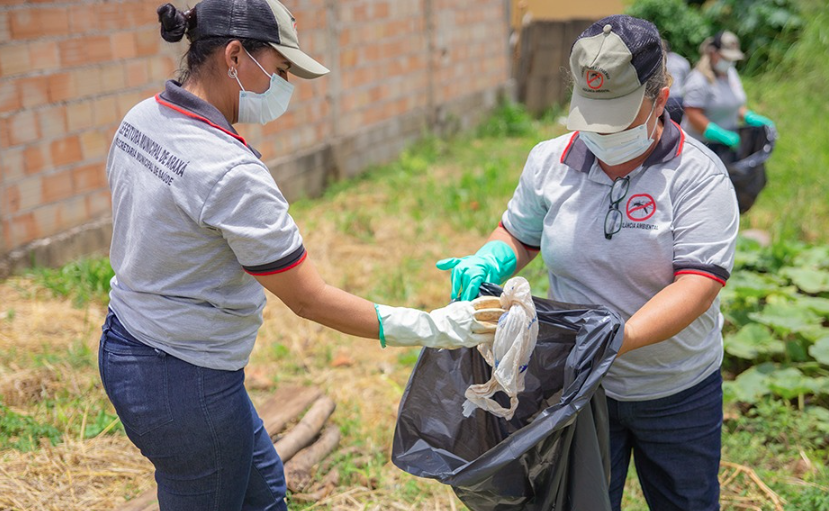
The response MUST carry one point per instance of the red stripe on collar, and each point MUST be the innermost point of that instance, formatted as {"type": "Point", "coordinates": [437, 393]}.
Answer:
{"type": "Point", "coordinates": [681, 143]}
{"type": "Point", "coordinates": [199, 117]}
{"type": "Point", "coordinates": [569, 144]}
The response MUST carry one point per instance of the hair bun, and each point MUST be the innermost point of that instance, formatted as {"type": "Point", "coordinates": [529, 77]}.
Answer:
{"type": "Point", "coordinates": [173, 23]}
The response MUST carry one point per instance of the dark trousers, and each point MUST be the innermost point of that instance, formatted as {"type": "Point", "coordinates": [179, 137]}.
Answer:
{"type": "Point", "coordinates": [196, 425]}
{"type": "Point", "coordinates": [675, 442]}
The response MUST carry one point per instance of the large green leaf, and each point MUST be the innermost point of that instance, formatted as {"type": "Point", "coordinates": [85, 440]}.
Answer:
{"type": "Point", "coordinates": [752, 341]}
{"type": "Point", "coordinates": [820, 350]}
{"type": "Point", "coordinates": [789, 383]}
{"type": "Point", "coordinates": [786, 317]}
{"type": "Point", "coordinates": [750, 284]}
{"type": "Point", "coordinates": [750, 385]}
{"type": "Point", "coordinates": [814, 332]}
{"type": "Point", "coordinates": [813, 257]}
{"type": "Point", "coordinates": [813, 303]}
{"type": "Point", "coordinates": [808, 280]}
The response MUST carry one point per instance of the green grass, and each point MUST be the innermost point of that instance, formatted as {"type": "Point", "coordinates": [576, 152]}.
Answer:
{"type": "Point", "coordinates": [83, 280]}
{"type": "Point", "coordinates": [794, 204]}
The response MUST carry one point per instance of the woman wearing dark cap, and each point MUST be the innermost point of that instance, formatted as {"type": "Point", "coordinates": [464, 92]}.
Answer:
{"type": "Point", "coordinates": [199, 228]}
{"type": "Point", "coordinates": [715, 101]}
{"type": "Point", "coordinates": [630, 213]}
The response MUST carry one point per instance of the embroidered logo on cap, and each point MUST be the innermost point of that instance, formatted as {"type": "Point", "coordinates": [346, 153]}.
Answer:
{"type": "Point", "coordinates": [595, 79]}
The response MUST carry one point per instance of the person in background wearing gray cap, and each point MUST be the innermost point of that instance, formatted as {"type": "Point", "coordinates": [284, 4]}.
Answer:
{"type": "Point", "coordinates": [199, 229]}
{"type": "Point", "coordinates": [714, 99]}
{"type": "Point", "coordinates": [630, 213]}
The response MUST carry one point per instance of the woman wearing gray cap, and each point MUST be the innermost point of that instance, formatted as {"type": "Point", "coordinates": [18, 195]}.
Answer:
{"type": "Point", "coordinates": [715, 101]}
{"type": "Point", "coordinates": [199, 229]}
{"type": "Point", "coordinates": [630, 213]}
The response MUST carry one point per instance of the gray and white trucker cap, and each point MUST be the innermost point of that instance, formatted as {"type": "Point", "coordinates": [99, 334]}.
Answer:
{"type": "Point", "coordinates": [265, 20]}
{"type": "Point", "coordinates": [610, 62]}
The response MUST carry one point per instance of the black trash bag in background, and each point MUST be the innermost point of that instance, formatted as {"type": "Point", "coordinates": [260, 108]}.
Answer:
{"type": "Point", "coordinates": [747, 165]}
{"type": "Point", "coordinates": [553, 454]}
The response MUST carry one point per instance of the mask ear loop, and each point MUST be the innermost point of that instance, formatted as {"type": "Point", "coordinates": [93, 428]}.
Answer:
{"type": "Point", "coordinates": [235, 74]}
{"type": "Point", "coordinates": [257, 63]}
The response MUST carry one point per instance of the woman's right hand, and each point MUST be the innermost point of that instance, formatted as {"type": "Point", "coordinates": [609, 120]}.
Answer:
{"type": "Point", "coordinates": [494, 262]}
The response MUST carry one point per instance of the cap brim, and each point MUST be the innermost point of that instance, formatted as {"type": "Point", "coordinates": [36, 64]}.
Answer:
{"type": "Point", "coordinates": [302, 65]}
{"type": "Point", "coordinates": [732, 55]}
{"type": "Point", "coordinates": [604, 115]}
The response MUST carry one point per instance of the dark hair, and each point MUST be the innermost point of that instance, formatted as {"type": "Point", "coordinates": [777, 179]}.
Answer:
{"type": "Point", "coordinates": [175, 24]}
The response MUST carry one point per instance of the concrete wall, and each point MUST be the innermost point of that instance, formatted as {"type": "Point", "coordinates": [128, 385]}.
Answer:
{"type": "Point", "coordinates": [70, 70]}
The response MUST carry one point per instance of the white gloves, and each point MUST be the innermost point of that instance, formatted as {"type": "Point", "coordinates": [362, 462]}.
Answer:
{"type": "Point", "coordinates": [460, 324]}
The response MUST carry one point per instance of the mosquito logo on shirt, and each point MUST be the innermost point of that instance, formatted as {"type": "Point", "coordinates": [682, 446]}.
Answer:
{"type": "Point", "coordinates": [640, 207]}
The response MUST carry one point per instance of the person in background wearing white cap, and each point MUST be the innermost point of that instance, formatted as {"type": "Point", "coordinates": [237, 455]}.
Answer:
{"type": "Point", "coordinates": [630, 213]}
{"type": "Point", "coordinates": [714, 100]}
{"type": "Point", "coordinates": [199, 229]}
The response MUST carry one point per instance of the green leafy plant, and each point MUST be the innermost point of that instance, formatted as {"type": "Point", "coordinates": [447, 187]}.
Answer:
{"type": "Point", "coordinates": [24, 433]}
{"type": "Point", "coordinates": [683, 26]}
{"type": "Point", "coordinates": [767, 28]}
{"type": "Point", "coordinates": [83, 280]}
{"type": "Point", "coordinates": [777, 334]}
{"type": "Point", "coordinates": [508, 120]}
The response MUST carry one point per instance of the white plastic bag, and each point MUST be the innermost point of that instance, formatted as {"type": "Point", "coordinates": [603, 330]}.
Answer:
{"type": "Point", "coordinates": [509, 354]}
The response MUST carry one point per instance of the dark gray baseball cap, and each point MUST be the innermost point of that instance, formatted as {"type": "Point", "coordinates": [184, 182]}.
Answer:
{"type": "Point", "coordinates": [265, 20]}
{"type": "Point", "coordinates": [610, 62]}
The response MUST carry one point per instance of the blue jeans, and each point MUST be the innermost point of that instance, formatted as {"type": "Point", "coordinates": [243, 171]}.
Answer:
{"type": "Point", "coordinates": [196, 425]}
{"type": "Point", "coordinates": [675, 443]}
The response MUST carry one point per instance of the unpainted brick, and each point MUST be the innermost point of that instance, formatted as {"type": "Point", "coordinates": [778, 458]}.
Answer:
{"type": "Point", "coordinates": [88, 178]}
{"type": "Point", "coordinates": [22, 128]}
{"type": "Point", "coordinates": [14, 59]}
{"type": "Point", "coordinates": [32, 23]}
{"type": "Point", "coordinates": [79, 116]}
{"type": "Point", "coordinates": [36, 158]}
{"type": "Point", "coordinates": [52, 121]}
{"type": "Point", "coordinates": [66, 151]}
{"type": "Point", "coordinates": [9, 96]}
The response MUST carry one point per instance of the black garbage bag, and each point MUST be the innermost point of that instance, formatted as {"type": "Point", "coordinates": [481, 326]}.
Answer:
{"type": "Point", "coordinates": [747, 165]}
{"type": "Point", "coordinates": [553, 454]}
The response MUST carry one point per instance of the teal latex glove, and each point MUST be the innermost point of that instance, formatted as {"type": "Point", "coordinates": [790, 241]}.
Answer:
{"type": "Point", "coordinates": [715, 133]}
{"type": "Point", "coordinates": [495, 262]}
{"type": "Point", "coordinates": [755, 119]}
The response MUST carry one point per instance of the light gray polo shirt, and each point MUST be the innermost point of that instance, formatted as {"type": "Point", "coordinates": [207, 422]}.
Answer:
{"type": "Point", "coordinates": [679, 67]}
{"type": "Point", "coordinates": [195, 214]}
{"type": "Point", "coordinates": [720, 101]}
{"type": "Point", "coordinates": [680, 216]}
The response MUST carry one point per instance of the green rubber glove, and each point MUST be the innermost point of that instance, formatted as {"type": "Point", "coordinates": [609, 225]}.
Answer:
{"type": "Point", "coordinates": [495, 262]}
{"type": "Point", "coordinates": [715, 133]}
{"type": "Point", "coordinates": [755, 119]}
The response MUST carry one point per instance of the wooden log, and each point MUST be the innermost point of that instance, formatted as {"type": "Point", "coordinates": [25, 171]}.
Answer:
{"type": "Point", "coordinates": [307, 430]}
{"type": "Point", "coordinates": [298, 469]}
{"type": "Point", "coordinates": [286, 405]}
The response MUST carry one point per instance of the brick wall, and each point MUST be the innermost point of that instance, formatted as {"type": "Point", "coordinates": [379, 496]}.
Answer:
{"type": "Point", "coordinates": [71, 69]}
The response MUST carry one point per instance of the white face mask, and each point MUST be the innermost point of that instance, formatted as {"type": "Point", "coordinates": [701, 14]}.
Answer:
{"type": "Point", "coordinates": [722, 66]}
{"type": "Point", "coordinates": [617, 148]}
{"type": "Point", "coordinates": [267, 106]}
